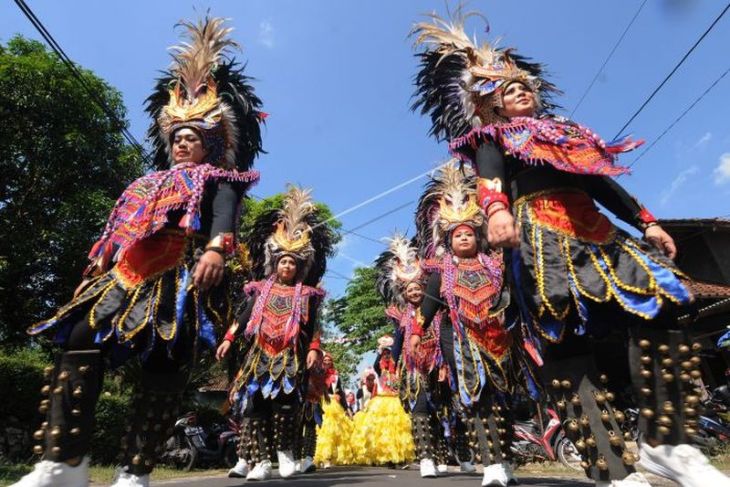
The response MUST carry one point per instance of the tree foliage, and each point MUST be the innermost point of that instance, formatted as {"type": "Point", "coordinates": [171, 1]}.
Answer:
{"type": "Point", "coordinates": [63, 164]}
{"type": "Point", "coordinates": [360, 313]}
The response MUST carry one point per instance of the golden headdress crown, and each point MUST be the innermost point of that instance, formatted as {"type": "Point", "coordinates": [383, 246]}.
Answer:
{"type": "Point", "coordinates": [448, 202]}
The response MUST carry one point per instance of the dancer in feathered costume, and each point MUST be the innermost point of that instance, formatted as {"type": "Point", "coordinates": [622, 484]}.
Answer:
{"type": "Point", "coordinates": [577, 277]}
{"type": "Point", "coordinates": [467, 284]}
{"type": "Point", "coordinates": [155, 284]}
{"type": "Point", "coordinates": [333, 437]}
{"type": "Point", "coordinates": [382, 432]}
{"type": "Point", "coordinates": [401, 283]}
{"type": "Point", "coordinates": [288, 250]}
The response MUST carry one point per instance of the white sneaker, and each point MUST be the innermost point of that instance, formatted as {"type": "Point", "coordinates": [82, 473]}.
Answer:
{"type": "Point", "coordinates": [306, 465]}
{"type": "Point", "coordinates": [287, 466]}
{"type": "Point", "coordinates": [260, 471]}
{"type": "Point", "coordinates": [56, 474]}
{"type": "Point", "coordinates": [682, 463]}
{"type": "Point", "coordinates": [499, 475]}
{"type": "Point", "coordinates": [509, 473]}
{"type": "Point", "coordinates": [428, 469]}
{"type": "Point", "coordinates": [636, 479]}
{"type": "Point", "coordinates": [467, 467]}
{"type": "Point", "coordinates": [442, 468]}
{"type": "Point", "coordinates": [240, 470]}
{"type": "Point", "coordinates": [125, 479]}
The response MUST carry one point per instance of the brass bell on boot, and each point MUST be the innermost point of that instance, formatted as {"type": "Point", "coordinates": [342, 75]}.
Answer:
{"type": "Point", "coordinates": [584, 421]}
{"type": "Point", "coordinates": [610, 397]}
{"type": "Point", "coordinates": [696, 347]}
{"type": "Point", "coordinates": [580, 445]}
{"type": "Point", "coordinates": [38, 450]}
{"type": "Point", "coordinates": [603, 378]}
{"type": "Point", "coordinates": [644, 344]}
{"type": "Point", "coordinates": [561, 405]}
{"type": "Point", "coordinates": [591, 441]}
{"type": "Point", "coordinates": [566, 384]}
{"type": "Point", "coordinates": [667, 377]}
{"type": "Point", "coordinates": [667, 362]}
{"type": "Point", "coordinates": [613, 438]}
{"type": "Point", "coordinates": [575, 400]}
{"type": "Point", "coordinates": [668, 408]}
{"type": "Point", "coordinates": [647, 413]}
{"type": "Point", "coordinates": [664, 420]}
{"type": "Point", "coordinates": [600, 398]}
{"type": "Point", "coordinates": [573, 425]}
{"type": "Point", "coordinates": [585, 465]}
{"type": "Point", "coordinates": [605, 416]}
{"type": "Point", "coordinates": [663, 348]}
{"type": "Point", "coordinates": [646, 391]}
{"type": "Point", "coordinates": [645, 373]}
{"type": "Point", "coordinates": [601, 463]}
{"type": "Point", "coordinates": [628, 458]}
{"type": "Point", "coordinates": [555, 383]}
{"type": "Point", "coordinates": [619, 415]}
{"type": "Point", "coordinates": [645, 359]}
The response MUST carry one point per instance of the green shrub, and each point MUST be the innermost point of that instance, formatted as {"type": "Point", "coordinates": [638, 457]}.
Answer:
{"type": "Point", "coordinates": [21, 379]}
{"type": "Point", "coordinates": [112, 413]}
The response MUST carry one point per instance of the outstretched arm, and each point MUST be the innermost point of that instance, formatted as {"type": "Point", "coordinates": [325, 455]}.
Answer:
{"type": "Point", "coordinates": [618, 201]}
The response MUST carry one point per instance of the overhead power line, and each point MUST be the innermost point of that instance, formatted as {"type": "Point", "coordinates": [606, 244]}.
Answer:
{"type": "Point", "coordinates": [56, 47]}
{"type": "Point", "coordinates": [674, 70]}
{"type": "Point", "coordinates": [676, 120]}
{"type": "Point", "coordinates": [608, 58]}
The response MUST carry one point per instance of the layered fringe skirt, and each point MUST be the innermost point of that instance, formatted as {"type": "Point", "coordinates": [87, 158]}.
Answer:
{"type": "Point", "coordinates": [146, 298]}
{"type": "Point", "coordinates": [573, 263]}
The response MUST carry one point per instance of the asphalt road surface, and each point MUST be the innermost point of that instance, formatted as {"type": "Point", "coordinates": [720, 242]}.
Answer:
{"type": "Point", "coordinates": [372, 476]}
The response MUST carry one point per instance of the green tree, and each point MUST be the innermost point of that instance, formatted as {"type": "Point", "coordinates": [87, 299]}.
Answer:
{"type": "Point", "coordinates": [336, 343]}
{"type": "Point", "coordinates": [63, 164]}
{"type": "Point", "coordinates": [360, 313]}
{"type": "Point", "coordinates": [253, 208]}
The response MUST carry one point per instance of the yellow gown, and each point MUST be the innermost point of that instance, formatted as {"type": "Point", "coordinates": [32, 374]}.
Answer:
{"type": "Point", "coordinates": [333, 436]}
{"type": "Point", "coordinates": [382, 430]}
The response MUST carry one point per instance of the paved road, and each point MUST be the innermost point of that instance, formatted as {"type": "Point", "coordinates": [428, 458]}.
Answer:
{"type": "Point", "coordinates": [371, 477]}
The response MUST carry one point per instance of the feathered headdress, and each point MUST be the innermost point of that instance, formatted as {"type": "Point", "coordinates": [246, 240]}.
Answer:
{"type": "Point", "coordinates": [449, 201]}
{"type": "Point", "coordinates": [459, 82]}
{"type": "Point", "coordinates": [206, 91]}
{"type": "Point", "coordinates": [397, 267]}
{"type": "Point", "coordinates": [296, 230]}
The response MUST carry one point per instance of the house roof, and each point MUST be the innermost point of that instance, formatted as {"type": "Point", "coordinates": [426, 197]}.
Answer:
{"type": "Point", "coordinates": [706, 290]}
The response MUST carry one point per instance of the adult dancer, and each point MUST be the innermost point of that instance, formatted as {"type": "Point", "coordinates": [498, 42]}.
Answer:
{"type": "Point", "coordinates": [467, 284]}
{"type": "Point", "coordinates": [577, 277]}
{"type": "Point", "coordinates": [154, 286]}
{"type": "Point", "coordinates": [288, 250]}
{"type": "Point", "coordinates": [401, 283]}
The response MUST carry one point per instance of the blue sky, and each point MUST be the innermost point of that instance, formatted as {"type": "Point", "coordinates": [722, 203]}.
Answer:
{"type": "Point", "coordinates": [336, 79]}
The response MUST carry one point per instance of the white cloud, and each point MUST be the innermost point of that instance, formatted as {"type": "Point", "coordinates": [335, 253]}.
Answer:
{"type": "Point", "coordinates": [266, 34]}
{"type": "Point", "coordinates": [703, 140]}
{"type": "Point", "coordinates": [722, 171]}
{"type": "Point", "coordinates": [677, 183]}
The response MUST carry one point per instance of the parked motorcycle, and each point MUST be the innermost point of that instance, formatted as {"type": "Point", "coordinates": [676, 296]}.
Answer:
{"type": "Point", "coordinates": [192, 446]}
{"type": "Point", "coordinates": [535, 442]}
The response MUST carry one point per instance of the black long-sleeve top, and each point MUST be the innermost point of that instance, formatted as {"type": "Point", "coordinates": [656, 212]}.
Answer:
{"type": "Point", "coordinates": [218, 209]}
{"type": "Point", "coordinates": [519, 179]}
{"type": "Point", "coordinates": [432, 302]}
